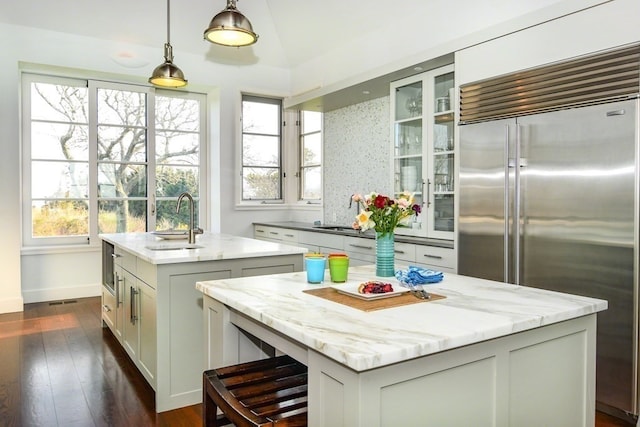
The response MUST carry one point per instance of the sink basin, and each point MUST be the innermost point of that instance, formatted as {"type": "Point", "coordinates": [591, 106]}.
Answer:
{"type": "Point", "coordinates": [335, 227]}
{"type": "Point", "coordinates": [173, 246]}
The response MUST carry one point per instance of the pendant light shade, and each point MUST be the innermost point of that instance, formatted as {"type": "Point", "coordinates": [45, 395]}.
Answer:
{"type": "Point", "coordinates": [230, 28]}
{"type": "Point", "coordinates": [168, 74]}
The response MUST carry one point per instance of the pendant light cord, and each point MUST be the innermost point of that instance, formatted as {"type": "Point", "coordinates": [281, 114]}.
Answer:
{"type": "Point", "coordinates": [168, 22]}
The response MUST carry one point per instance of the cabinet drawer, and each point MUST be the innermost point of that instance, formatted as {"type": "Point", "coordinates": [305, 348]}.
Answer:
{"type": "Point", "coordinates": [433, 255]}
{"type": "Point", "coordinates": [405, 252]}
{"type": "Point", "coordinates": [260, 232]}
{"type": "Point", "coordinates": [109, 309]}
{"type": "Point", "coordinates": [360, 245]}
{"type": "Point", "coordinates": [289, 235]}
{"type": "Point", "coordinates": [125, 259]}
{"type": "Point", "coordinates": [325, 240]}
{"type": "Point", "coordinates": [147, 273]}
{"type": "Point", "coordinates": [276, 234]}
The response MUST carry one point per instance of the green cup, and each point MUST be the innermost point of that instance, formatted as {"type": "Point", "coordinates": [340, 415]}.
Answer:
{"type": "Point", "coordinates": [338, 268]}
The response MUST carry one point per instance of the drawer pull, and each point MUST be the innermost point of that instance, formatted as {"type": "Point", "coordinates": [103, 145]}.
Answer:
{"type": "Point", "coordinates": [398, 251]}
{"type": "Point", "coordinates": [259, 231]}
{"type": "Point", "coordinates": [433, 256]}
{"type": "Point", "coordinates": [360, 246]}
{"type": "Point", "coordinates": [275, 233]}
{"type": "Point", "coordinates": [290, 235]}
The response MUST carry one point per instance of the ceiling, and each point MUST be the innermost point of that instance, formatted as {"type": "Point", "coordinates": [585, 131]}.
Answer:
{"type": "Point", "coordinates": [291, 32]}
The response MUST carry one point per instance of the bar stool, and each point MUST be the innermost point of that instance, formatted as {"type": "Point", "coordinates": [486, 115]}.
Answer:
{"type": "Point", "coordinates": [268, 392]}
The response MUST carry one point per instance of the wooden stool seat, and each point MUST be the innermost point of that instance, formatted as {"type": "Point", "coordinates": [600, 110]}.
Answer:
{"type": "Point", "coordinates": [266, 392]}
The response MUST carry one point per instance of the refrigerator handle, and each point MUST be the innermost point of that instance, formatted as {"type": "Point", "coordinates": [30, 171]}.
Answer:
{"type": "Point", "coordinates": [517, 209]}
{"type": "Point", "coordinates": [506, 164]}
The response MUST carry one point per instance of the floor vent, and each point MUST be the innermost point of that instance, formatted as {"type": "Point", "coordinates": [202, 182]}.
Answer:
{"type": "Point", "coordinates": [71, 301]}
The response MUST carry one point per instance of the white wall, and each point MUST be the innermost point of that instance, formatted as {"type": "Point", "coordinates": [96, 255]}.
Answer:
{"type": "Point", "coordinates": [428, 29]}
{"type": "Point", "coordinates": [603, 27]}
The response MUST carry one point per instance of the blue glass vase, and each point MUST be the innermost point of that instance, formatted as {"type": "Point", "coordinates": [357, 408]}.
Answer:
{"type": "Point", "coordinates": [385, 253]}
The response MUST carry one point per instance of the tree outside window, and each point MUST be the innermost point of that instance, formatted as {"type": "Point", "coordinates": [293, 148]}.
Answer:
{"type": "Point", "coordinates": [92, 158]}
{"type": "Point", "coordinates": [261, 148]}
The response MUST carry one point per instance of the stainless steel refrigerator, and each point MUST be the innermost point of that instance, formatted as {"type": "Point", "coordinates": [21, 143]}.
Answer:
{"type": "Point", "coordinates": [550, 200]}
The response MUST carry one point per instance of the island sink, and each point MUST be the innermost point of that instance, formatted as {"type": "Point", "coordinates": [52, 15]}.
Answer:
{"type": "Point", "coordinates": [173, 247]}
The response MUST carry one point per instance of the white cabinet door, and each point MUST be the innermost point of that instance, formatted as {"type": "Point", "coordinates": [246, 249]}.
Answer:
{"type": "Point", "coordinates": [146, 314]}
{"type": "Point", "coordinates": [130, 337]}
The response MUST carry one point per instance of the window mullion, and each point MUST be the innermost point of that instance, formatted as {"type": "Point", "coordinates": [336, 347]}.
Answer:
{"type": "Point", "coordinates": [151, 162]}
{"type": "Point", "coordinates": [93, 162]}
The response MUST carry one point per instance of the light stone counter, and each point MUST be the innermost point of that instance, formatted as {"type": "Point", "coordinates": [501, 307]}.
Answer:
{"type": "Point", "coordinates": [474, 310]}
{"type": "Point", "coordinates": [489, 354]}
{"type": "Point", "coordinates": [208, 247]}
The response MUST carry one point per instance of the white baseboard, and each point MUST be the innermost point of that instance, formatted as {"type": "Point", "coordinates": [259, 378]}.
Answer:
{"type": "Point", "coordinates": [58, 294]}
{"type": "Point", "coordinates": [11, 305]}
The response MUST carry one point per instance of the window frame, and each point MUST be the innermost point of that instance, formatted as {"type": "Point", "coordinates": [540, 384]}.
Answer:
{"type": "Point", "coordinates": [92, 85]}
{"type": "Point", "coordinates": [270, 100]}
{"type": "Point", "coordinates": [302, 134]}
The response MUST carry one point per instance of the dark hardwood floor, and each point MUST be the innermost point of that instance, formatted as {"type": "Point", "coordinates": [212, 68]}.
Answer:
{"type": "Point", "coordinates": [59, 367]}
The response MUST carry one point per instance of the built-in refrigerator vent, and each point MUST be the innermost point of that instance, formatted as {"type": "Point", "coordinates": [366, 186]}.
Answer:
{"type": "Point", "coordinates": [587, 80]}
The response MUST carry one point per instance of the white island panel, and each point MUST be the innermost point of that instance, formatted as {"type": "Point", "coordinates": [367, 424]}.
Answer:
{"type": "Point", "coordinates": [489, 354]}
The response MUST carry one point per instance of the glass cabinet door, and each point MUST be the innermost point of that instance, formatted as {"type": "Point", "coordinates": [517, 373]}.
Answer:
{"type": "Point", "coordinates": [442, 156]}
{"type": "Point", "coordinates": [407, 138]}
{"type": "Point", "coordinates": [422, 133]}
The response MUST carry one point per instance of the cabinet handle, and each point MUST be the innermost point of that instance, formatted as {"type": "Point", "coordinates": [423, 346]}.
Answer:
{"type": "Point", "coordinates": [398, 251]}
{"type": "Point", "coordinates": [259, 231]}
{"type": "Point", "coordinates": [132, 305]}
{"type": "Point", "coordinates": [106, 308]}
{"type": "Point", "coordinates": [275, 233]}
{"type": "Point", "coordinates": [290, 235]}
{"type": "Point", "coordinates": [117, 286]}
{"type": "Point", "coordinates": [360, 246]}
{"type": "Point", "coordinates": [433, 256]}
{"type": "Point", "coordinates": [116, 256]}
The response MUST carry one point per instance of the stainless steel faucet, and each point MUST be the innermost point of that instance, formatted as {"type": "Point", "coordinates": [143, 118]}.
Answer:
{"type": "Point", "coordinates": [192, 229]}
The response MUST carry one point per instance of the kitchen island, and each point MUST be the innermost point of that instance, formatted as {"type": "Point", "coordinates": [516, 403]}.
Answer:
{"type": "Point", "coordinates": [487, 354]}
{"type": "Point", "coordinates": [155, 312]}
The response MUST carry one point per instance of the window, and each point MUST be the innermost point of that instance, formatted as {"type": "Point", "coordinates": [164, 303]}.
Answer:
{"type": "Point", "coordinates": [261, 148]}
{"type": "Point", "coordinates": [102, 157]}
{"type": "Point", "coordinates": [310, 155]}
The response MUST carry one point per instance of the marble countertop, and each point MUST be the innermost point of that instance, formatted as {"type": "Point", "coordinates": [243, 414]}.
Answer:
{"type": "Point", "coordinates": [474, 310]}
{"type": "Point", "coordinates": [208, 247]}
{"type": "Point", "coordinates": [307, 226]}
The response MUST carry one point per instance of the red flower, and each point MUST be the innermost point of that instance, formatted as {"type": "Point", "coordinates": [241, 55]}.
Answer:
{"type": "Point", "coordinates": [381, 202]}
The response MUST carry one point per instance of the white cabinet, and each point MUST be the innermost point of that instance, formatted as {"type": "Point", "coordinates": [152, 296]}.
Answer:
{"type": "Point", "coordinates": [138, 320]}
{"type": "Point", "coordinates": [145, 306]}
{"type": "Point", "coordinates": [156, 314]}
{"type": "Point", "coordinates": [361, 251]}
{"type": "Point", "coordinates": [423, 147]}
{"type": "Point", "coordinates": [275, 234]}
{"type": "Point", "coordinates": [436, 258]}
{"type": "Point", "coordinates": [405, 253]}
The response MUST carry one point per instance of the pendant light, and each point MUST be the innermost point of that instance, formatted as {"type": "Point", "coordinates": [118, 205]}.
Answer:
{"type": "Point", "coordinates": [168, 74]}
{"type": "Point", "coordinates": [230, 28]}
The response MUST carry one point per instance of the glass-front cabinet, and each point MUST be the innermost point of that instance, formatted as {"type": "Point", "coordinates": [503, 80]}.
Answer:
{"type": "Point", "coordinates": [422, 134]}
